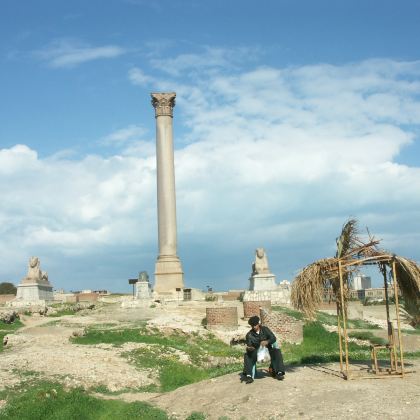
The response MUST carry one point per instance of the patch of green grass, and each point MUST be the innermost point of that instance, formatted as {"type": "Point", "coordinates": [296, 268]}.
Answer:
{"type": "Point", "coordinates": [171, 372]}
{"type": "Point", "coordinates": [291, 312]}
{"type": "Point", "coordinates": [321, 346]}
{"type": "Point", "coordinates": [194, 346]}
{"type": "Point", "coordinates": [360, 324]}
{"type": "Point", "coordinates": [11, 327]}
{"type": "Point", "coordinates": [26, 373]}
{"type": "Point", "coordinates": [103, 389]}
{"type": "Point", "coordinates": [62, 313]}
{"type": "Point", "coordinates": [49, 401]}
{"type": "Point", "coordinates": [63, 309]}
{"type": "Point", "coordinates": [325, 318]}
{"type": "Point", "coordinates": [416, 331]}
{"type": "Point", "coordinates": [53, 323]}
{"type": "Point", "coordinates": [368, 336]}
{"type": "Point", "coordinates": [195, 415]}
{"type": "Point", "coordinates": [160, 354]}
{"type": "Point", "coordinates": [7, 329]}
{"type": "Point", "coordinates": [412, 355]}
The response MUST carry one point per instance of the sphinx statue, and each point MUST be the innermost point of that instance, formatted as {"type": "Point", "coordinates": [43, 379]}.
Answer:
{"type": "Point", "coordinates": [261, 277]}
{"type": "Point", "coordinates": [35, 286]}
{"type": "Point", "coordinates": [260, 266]}
{"type": "Point", "coordinates": [34, 271]}
{"type": "Point", "coordinates": [35, 274]}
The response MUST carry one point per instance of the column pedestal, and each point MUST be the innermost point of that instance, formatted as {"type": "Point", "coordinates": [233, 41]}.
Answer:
{"type": "Point", "coordinates": [168, 274]}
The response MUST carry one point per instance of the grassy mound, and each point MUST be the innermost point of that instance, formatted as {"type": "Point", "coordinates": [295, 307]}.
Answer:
{"type": "Point", "coordinates": [49, 401]}
{"type": "Point", "coordinates": [206, 357]}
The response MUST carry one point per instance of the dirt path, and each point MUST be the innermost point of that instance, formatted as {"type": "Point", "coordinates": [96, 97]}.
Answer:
{"type": "Point", "coordinates": [307, 393]}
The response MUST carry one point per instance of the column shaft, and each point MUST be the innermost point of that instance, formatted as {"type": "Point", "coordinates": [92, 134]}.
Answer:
{"type": "Point", "coordinates": [165, 186]}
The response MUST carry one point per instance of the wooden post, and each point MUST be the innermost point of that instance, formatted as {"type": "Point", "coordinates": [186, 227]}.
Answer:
{"type": "Point", "coordinates": [340, 274]}
{"type": "Point", "coordinates": [397, 309]}
{"type": "Point", "coordinates": [339, 336]}
{"type": "Point", "coordinates": [388, 319]}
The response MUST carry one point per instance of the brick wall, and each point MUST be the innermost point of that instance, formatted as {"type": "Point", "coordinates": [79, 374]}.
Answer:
{"type": "Point", "coordinates": [252, 308]}
{"type": "Point", "coordinates": [227, 317]}
{"type": "Point", "coordinates": [284, 327]}
{"type": "Point", "coordinates": [71, 299]}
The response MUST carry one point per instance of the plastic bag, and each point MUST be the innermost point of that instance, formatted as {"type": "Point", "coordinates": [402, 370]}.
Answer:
{"type": "Point", "coordinates": [262, 354]}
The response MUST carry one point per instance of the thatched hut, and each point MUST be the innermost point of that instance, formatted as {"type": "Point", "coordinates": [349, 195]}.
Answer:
{"type": "Point", "coordinates": [334, 273]}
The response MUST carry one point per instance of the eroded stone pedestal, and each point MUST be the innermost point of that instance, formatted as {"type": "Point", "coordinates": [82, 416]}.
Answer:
{"type": "Point", "coordinates": [143, 290]}
{"type": "Point", "coordinates": [34, 292]}
{"type": "Point", "coordinates": [262, 282]}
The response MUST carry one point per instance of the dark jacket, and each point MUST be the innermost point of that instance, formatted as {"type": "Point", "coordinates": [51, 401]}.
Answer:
{"type": "Point", "coordinates": [254, 339]}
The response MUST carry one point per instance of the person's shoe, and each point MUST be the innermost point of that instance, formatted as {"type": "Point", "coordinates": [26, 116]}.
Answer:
{"type": "Point", "coordinates": [280, 376]}
{"type": "Point", "coordinates": [249, 380]}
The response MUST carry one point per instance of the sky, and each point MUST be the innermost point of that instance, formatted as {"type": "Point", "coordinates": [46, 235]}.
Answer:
{"type": "Point", "coordinates": [291, 117]}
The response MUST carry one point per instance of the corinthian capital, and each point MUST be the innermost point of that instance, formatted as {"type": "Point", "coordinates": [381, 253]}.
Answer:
{"type": "Point", "coordinates": [163, 103]}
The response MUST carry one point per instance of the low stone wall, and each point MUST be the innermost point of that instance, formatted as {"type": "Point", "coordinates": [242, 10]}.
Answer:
{"type": "Point", "coordinates": [87, 297]}
{"type": "Point", "coordinates": [252, 308]}
{"type": "Point", "coordinates": [6, 298]}
{"type": "Point", "coordinates": [231, 296]}
{"type": "Point", "coordinates": [280, 296]}
{"type": "Point", "coordinates": [284, 327]}
{"type": "Point", "coordinates": [224, 317]}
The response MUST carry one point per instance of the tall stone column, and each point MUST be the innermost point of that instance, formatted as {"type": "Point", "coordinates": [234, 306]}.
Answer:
{"type": "Point", "coordinates": [168, 269]}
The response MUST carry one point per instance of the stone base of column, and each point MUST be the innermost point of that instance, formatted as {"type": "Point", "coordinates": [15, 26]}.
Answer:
{"type": "Point", "coordinates": [168, 274]}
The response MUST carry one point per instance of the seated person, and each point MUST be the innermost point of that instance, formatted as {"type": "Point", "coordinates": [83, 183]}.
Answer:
{"type": "Point", "coordinates": [259, 335]}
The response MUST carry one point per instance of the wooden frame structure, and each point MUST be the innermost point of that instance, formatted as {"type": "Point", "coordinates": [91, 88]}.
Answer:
{"type": "Point", "coordinates": [395, 352]}
{"type": "Point", "coordinates": [334, 273]}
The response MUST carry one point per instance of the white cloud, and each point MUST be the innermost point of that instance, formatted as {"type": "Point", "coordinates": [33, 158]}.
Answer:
{"type": "Point", "coordinates": [209, 60]}
{"type": "Point", "coordinates": [138, 77]}
{"type": "Point", "coordinates": [77, 205]}
{"type": "Point", "coordinates": [123, 135]}
{"type": "Point", "coordinates": [68, 53]}
{"type": "Point", "coordinates": [277, 158]}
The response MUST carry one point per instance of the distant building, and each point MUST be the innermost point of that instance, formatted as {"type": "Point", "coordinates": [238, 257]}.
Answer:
{"type": "Point", "coordinates": [361, 282]}
{"type": "Point", "coordinates": [377, 293]}
{"type": "Point", "coordinates": [285, 283]}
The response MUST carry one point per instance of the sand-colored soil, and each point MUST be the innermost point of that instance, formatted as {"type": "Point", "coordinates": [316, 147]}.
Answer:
{"type": "Point", "coordinates": [307, 392]}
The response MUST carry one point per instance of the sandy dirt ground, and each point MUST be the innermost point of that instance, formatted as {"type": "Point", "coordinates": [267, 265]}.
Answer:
{"type": "Point", "coordinates": [316, 392]}
{"type": "Point", "coordinates": [43, 347]}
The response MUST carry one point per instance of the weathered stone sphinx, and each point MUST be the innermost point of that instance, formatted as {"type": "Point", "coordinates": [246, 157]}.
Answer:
{"type": "Point", "coordinates": [35, 286]}
{"type": "Point", "coordinates": [261, 277]}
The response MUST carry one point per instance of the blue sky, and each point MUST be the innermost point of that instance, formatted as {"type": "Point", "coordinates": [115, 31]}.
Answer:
{"type": "Point", "coordinates": [291, 116]}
